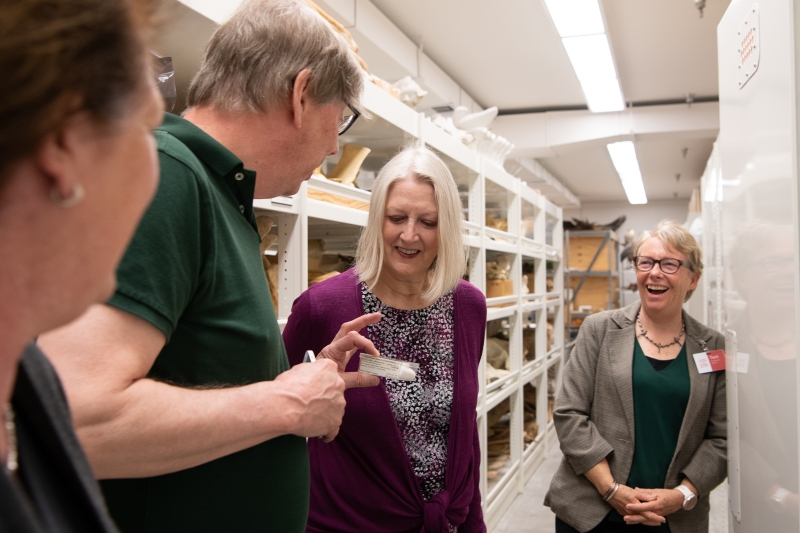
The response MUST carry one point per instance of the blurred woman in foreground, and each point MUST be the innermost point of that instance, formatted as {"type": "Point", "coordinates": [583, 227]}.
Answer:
{"type": "Point", "coordinates": [77, 169]}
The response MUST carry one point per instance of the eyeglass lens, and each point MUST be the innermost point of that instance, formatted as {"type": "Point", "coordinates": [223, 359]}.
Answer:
{"type": "Point", "coordinates": [348, 117]}
{"type": "Point", "coordinates": [667, 265]}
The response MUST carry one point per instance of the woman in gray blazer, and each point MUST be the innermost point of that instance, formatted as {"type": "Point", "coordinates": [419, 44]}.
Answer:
{"type": "Point", "coordinates": [642, 429]}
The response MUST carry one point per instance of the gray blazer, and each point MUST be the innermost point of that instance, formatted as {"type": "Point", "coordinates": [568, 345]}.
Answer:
{"type": "Point", "coordinates": [594, 420]}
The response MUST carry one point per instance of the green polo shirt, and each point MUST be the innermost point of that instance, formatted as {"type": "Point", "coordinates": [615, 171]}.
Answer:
{"type": "Point", "coordinates": [193, 270]}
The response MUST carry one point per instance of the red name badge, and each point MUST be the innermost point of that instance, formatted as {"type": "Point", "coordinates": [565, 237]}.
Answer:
{"type": "Point", "coordinates": [710, 361]}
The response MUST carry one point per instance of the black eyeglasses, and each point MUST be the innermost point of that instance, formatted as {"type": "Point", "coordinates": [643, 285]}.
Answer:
{"type": "Point", "coordinates": [348, 119]}
{"type": "Point", "coordinates": [667, 265]}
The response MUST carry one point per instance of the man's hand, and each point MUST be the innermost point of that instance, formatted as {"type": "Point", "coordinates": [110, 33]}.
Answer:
{"type": "Point", "coordinates": [315, 394]}
{"type": "Point", "coordinates": [345, 344]}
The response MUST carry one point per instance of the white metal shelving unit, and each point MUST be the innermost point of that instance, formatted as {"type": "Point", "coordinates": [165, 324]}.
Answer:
{"type": "Point", "coordinates": [534, 239]}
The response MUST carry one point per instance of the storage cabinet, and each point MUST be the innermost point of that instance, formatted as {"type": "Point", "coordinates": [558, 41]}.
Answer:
{"type": "Point", "coordinates": [592, 275]}
{"type": "Point", "coordinates": [509, 227]}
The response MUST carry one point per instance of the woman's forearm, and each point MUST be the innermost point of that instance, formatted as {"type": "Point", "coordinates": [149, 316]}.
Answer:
{"type": "Point", "coordinates": [600, 476]}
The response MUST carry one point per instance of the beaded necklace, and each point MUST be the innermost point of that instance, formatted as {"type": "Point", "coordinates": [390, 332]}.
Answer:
{"type": "Point", "coordinates": [11, 436]}
{"type": "Point", "coordinates": [676, 340]}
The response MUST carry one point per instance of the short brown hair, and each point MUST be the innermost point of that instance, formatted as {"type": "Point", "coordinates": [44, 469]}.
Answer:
{"type": "Point", "coordinates": [59, 57]}
{"type": "Point", "coordinates": [252, 60]}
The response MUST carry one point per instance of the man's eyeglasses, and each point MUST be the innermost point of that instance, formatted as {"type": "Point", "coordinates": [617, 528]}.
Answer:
{"type": "Point", "coordinates": [348, 119]}
{"type": "Point", "coordinates": [667, 265]}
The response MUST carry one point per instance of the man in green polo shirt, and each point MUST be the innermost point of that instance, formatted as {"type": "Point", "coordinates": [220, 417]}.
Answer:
{"type": "Point", "coordinates": [179, 386]}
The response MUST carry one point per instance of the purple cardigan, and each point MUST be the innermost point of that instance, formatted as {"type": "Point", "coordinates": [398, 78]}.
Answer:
{"type": "Point", "coordinates": [363, 480]}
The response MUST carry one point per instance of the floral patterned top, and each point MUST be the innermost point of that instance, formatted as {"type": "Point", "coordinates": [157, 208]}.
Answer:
{"type": "Point", "coordinates": [422, 407]}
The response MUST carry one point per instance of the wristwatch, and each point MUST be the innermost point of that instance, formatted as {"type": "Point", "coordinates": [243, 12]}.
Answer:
{"type": "Point", "coordinates": [689, 499]}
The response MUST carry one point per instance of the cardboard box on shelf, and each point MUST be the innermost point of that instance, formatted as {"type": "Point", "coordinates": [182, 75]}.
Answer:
{"type": "Point", "coordinates": [499, 287]}
{"type": "Point", "coordinates": [594, 293]}
{"type": "Point", "coordinates": [582, 250]}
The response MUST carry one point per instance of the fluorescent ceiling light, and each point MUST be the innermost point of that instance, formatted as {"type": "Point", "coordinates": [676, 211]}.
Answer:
{"type": "Point", "coordinates": [591, 57]}
{"type": "Point", "coordinates": [635, 192]}
{"type": "Point", "coordinates": [580, 25]}
{"type": "Point", "coordinates": [576, 17]}
{"type": "Point", "coordinates": [623, 155]}
{"type": "Point", "coordinates": [603, 95]}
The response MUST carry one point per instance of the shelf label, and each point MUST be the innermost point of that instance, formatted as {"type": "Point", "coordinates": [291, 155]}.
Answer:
{"type": "Point", "coordinates": [284, 200]}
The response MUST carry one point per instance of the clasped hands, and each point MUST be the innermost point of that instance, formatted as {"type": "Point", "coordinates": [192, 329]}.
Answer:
{"type": "Point", "coordinates": [646, 506]}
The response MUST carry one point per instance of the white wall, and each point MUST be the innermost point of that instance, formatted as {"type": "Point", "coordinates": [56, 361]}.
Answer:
{"type": "Point", "coordinates": [640, 217]}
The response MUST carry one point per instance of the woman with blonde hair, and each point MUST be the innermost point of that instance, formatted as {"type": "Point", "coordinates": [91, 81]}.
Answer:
{"type": "Point", "coordinates": [642, 426]}
{"type": "Point", "coordinates": [407, 457]}
{"type": "Point", "coordinates": [77, 169]}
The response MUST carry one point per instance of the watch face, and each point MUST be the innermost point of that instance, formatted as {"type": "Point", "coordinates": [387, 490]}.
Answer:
{"type": "Point", "coordinates": [689, 499]}
{"type": "Point", "coordinates": [690, 502]}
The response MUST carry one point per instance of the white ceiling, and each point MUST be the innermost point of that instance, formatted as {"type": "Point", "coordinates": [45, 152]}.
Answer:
{"type": "Point", "coordinates": [504, 53]}
{"type": "Point", "coordinates": [507, 53]}
{"type": "Point", "coordinates": [663, 49]}
{"type": "Point", "coordinates": [587, 170]}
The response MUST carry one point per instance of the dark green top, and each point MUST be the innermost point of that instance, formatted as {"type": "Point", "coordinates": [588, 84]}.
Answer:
{"type": "Point", "coordinates": [660, 398]}
{"type": "Point", "coordinates": [193, 270]}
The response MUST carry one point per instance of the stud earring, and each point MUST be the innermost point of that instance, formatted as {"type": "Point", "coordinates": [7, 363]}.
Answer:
{"type": "Point", "coordinates": [72, 200]}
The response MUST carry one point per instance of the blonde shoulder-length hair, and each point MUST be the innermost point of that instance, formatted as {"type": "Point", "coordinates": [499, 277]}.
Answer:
{"type": "Point", "coordinates": [421, 164]}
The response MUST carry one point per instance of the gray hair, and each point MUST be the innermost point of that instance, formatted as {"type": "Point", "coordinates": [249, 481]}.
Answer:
{"type": "Point", "coordinates": [421, 164]}
{"type": "Point", "coordinates": [252, 60]}
{"type": "Point", "coordinates": [675, 235]}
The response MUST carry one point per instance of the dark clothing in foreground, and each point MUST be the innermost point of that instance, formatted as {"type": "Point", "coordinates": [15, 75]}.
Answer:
{"type": "Point", "coordinates": [54, 488]}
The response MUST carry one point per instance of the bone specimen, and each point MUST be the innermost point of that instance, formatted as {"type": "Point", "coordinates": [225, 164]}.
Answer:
{"type": "Point", "coordinates": [341, 30]}
{"type": "Point", "coordinates": [410, 91]}
{"type": "Point", "coordinates": [497, 353]}
{"type": "Point", "coordinates": [499, 269]}
{"type": "Point", "coordinates": [321, 277]}
{"type": "Point", "coordinates": [265, 224]}
{"type": "Point", "coordinates": [464, 120]}
{"type": "Point", "coordinates": [346, 170]}
{"type": "Point", "coordinates": [498, 449]}
{"type": "Point", "coordinates": [496, 223]}
{"type": "Point", "coordinates": [316, 248]}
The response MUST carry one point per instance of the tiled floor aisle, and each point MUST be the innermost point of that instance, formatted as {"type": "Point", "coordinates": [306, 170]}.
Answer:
{"type": "Point", "coordinates": [528, 515]}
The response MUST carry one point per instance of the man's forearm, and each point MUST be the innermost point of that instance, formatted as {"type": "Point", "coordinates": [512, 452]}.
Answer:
{"type": "Point", "coordinates": [132, 426]}
{"type": "Point", "coordinates": [153, 428]}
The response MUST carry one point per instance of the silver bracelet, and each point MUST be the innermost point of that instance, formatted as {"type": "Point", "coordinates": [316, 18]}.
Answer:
{"type": "Point", "coordinates": [611, 492]}
{"type": "Point", "coordinates": [609, 489]}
